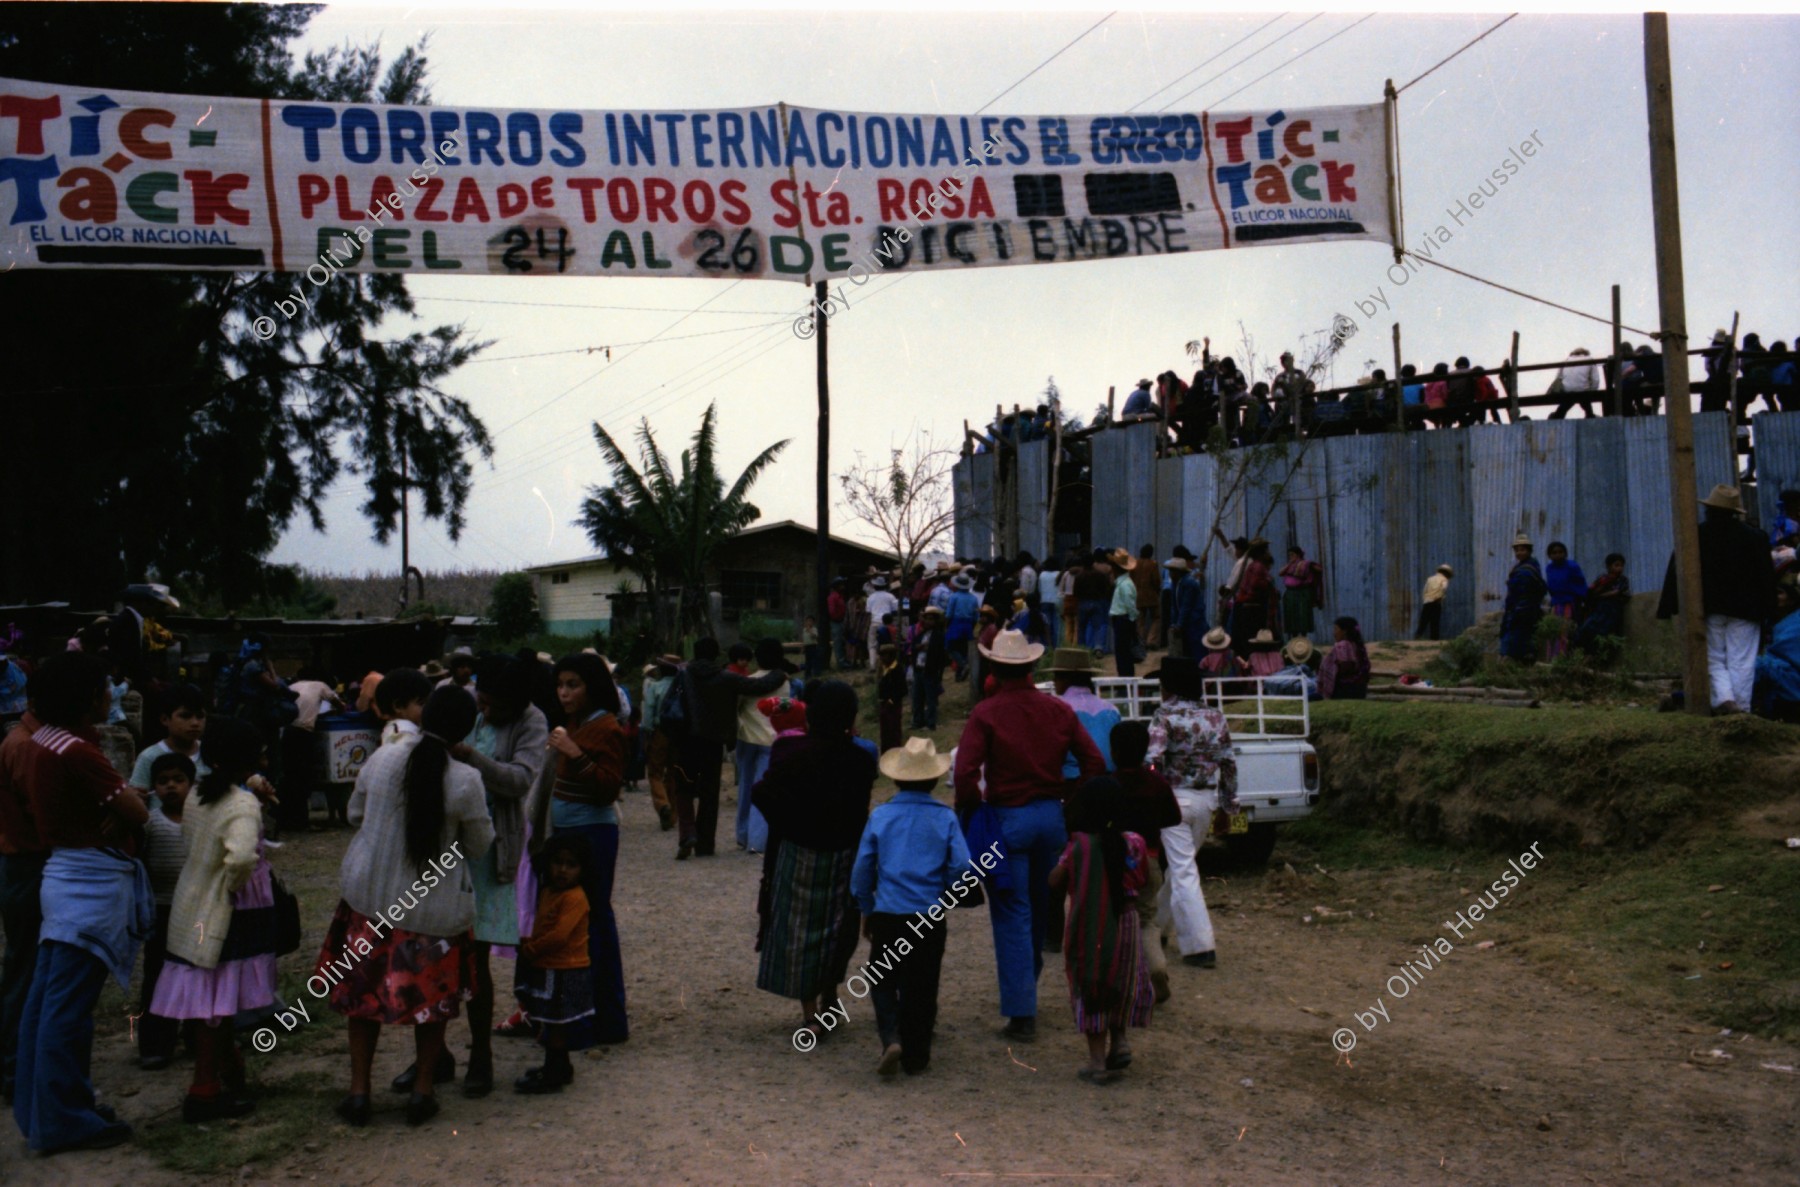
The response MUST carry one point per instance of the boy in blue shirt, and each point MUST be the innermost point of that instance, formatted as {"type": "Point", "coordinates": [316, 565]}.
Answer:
{"type": "Point", "coordinates": [913, 866]}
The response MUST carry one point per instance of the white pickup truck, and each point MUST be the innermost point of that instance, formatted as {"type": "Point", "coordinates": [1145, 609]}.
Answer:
{"type": "Point", "coordinates": [1278, 770]}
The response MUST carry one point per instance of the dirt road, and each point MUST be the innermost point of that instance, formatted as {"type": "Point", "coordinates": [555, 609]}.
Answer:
{"type": "Point", "coordinates": [1491, 1069]}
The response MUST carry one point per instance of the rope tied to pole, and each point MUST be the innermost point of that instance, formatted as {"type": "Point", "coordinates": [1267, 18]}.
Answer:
{"type": "Point", "coordinates": [1605, 321]}
{"type": "Point", "coordinates": [1457, 54]}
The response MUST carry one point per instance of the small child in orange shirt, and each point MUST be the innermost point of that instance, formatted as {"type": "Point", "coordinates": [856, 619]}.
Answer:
{"type": "Point", "coordinates": [555, 986]}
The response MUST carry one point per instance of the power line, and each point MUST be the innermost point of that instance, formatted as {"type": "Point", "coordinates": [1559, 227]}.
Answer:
{"type": "Point", "coordinates": [1221, 74]}
{"type": "Point", "coordinates": [1285, 65]}
{"type": "Point", "coordinates": [556, 451]}
{"type": "Point", "coordinates": [577, 305]}
{"type": "Point", "coordinates": [612, 362]}
{"type": "Point", "coordinates": [544, 354]}
{"type": "Point", "coordinates": [564, 446]}
{"type": "Point", "coordinates": [1208, 62]}
{"type": "Point", "coordinates": [1059, 53]}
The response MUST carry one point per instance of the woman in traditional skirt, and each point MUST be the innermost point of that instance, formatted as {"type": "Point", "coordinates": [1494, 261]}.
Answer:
{"type": "Point", "coordinates": [577, 793]}
{"type": "Point", "coordinates": [1302, 592]}
{"type": "Point", "coordinates": [816, 800]}
{"type": "Point", "coordinates": [1256, 605]}
{"type": "Point", "coordinates": [398, 951]}
{"type": "Point", "coordinates": [1102, 870]}
{"type": "Point", "coordinates": [222, 933]}
{"type": "Point", "coordinates": [1568, 594]}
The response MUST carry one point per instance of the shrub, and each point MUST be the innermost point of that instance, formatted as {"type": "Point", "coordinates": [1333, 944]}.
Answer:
{"type": "Point", "coordinates": [512, 608]}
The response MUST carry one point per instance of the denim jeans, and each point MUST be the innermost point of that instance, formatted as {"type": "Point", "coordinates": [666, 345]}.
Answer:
{"type": "Point", "coordinates": [925, 688]}
{"type": "Point", "coordinates": [1035, 836]}
{"type": "Point", "coordinates": [53, 1097]}
{"type": "Point", "coordinates": [752, 829]}
{"type": "Point", "coordinates": [1093, 618]}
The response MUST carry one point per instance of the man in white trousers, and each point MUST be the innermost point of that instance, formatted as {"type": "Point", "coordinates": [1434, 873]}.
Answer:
{"type": "Point", "coordinates": [881, 602]}
{"type": "Point", "coordinates": [1191, 745]}
{"type": "Point", "coordinates": [1737, 587]}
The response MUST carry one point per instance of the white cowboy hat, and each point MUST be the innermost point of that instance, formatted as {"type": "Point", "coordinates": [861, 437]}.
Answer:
{"type": "Point", "coordinates": [1521, 541]}
{"type": "Point", "coordinates": [1446, 570]}
{"type": "Point", "coordinates": [1217, 640]}
{"type": "Point", "coordinates": [1177, 564]}
{"type": "Point", "coordinates": [1262, 637]}
{"type": "Point", "coordinates": [1725, 498]}
{"type": "Point", "coordinates": [962, 582]}
{"type": "Point", "coordinates": [1011, 647]}
{"type": "Point", "coordinates": [1298, 650]}
{"type": "Point", "coordinates": [916, 762]}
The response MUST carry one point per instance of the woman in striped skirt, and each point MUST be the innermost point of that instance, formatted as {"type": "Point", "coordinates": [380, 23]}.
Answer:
{"type": "Point", "coordinates": [815, 796]}
{"type": "Point", "coordinates": [1102, 871]}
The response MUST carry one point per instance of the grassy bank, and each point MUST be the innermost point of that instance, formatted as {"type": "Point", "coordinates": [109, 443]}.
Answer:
{"type": "Point", "coordinates": [1578, 777]}
{"type": "Point", "coordinates": [1671, 883]}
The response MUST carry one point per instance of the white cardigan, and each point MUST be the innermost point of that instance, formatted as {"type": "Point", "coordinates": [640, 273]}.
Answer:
{"type": "Point", "coordinates": [221, 839]}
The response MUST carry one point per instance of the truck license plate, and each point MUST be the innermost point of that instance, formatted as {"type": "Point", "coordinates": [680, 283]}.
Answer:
{"type": "Point", "coordinates": [1240, 822]}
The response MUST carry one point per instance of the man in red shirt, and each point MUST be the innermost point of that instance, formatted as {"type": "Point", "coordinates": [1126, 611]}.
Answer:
{"type": "Point", "coordinates": [1016, 741]}
{"type": "Point", "coordinates": [97, 905]}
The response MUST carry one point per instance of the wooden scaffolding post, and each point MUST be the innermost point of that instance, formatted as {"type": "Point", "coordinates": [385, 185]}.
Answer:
{"type": "Point", "coordinates": [1671, 298]}
{"type": "Point", "coordinates": [1399, 383]}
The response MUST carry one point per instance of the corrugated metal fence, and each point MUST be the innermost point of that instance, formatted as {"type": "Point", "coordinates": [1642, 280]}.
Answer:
{"type": "Point", "coordinates": [1381, 512]}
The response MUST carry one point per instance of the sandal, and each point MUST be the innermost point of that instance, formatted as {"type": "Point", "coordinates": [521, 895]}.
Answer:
{"type": "Point", "coordinates": [1119, 1060]}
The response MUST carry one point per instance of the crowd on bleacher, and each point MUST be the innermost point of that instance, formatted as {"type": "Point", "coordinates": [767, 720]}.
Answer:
{"type": "Point", "coordinates": [1246, 412]}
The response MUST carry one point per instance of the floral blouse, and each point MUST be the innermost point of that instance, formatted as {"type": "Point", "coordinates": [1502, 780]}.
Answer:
{"type": "Point", "coordinates": [1191, 745]}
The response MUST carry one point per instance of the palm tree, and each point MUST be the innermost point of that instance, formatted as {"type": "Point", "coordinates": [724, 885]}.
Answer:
{"type": "Point", "coordinates": [665, 522]}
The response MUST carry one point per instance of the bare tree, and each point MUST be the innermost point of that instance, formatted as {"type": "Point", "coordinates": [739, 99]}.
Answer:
{"type": "Point", "coordinates": [908, 499]}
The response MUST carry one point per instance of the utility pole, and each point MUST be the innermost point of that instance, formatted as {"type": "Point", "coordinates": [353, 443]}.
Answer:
{"type": "Point", "coordinates": [822, 583]}
{"type": "Point", "coordinates": [1671, 296]}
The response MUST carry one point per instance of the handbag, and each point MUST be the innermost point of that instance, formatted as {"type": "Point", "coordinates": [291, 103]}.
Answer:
{"type": "Point", "coordinates": [287, 917]}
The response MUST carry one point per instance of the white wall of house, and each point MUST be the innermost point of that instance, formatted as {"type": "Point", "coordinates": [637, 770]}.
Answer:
{"type": "Point", "coordinates": [572, 598]}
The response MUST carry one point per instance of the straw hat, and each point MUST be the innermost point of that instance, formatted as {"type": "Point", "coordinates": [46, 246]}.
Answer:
{"type": "Point", "coordinates": [933, 612]}
{"type": "Point", "coordinates": [1073, 659]}
{"type": "Point", "coordinates": [1446, 570]}
{"type": "Point", "coordinates": [1262, 637]}
{"type": "Point", "coordinates": [1298, 651]}
{"type": "Point", "coordinates": [1725, 498]}
{"type": "Point", "coordinates": [1011, 647]}
{"type": "Point", "coordinates": [1179, 565]}
{"type": "Point", "coordinates": [1217, 640]}
{"type": "Point", "coordinates": [434, 671]}
{"type": "Point", "coordinates": [916, 762]}
{"type": "Point", "coordinates": [1521, 541]}
{"type": "Point", "coordinates": [1119, 558]}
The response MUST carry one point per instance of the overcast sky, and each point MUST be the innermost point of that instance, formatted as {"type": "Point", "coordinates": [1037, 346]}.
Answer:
{"type": "Point", "coordinates": [942, 347]}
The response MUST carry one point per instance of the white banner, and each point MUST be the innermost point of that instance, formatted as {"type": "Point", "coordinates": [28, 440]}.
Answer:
{"type": "Point", "coordinates": [94, 178]}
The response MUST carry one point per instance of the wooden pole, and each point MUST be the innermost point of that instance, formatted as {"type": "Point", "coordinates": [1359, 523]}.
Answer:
{"type": "Point", "coordinates": [1512, 389]}
{"type": "Point", "coordinates": [1055, 481]}
{"type": "Point", "coordinates": [1109, 405]}
{"type": "Point", "coordinates": [1615, 368]}
{"type": "Point", "coordinates": [405, 527]}
{"type": "Point", "coordinates": [1671, 298]}
{"type": "Point", "coordinates": [1399, 384]}
{"type": "Point", "coordinates": [822, 476]}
